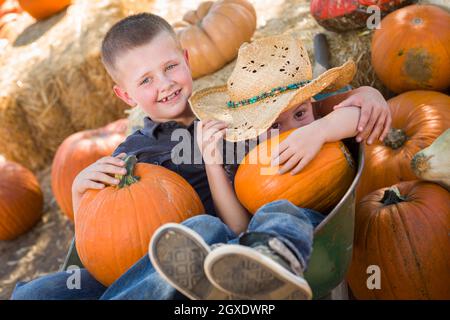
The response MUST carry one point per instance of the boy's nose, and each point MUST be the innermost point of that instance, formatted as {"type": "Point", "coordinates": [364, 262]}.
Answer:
{"type": "Point", "coordinates": [166, 85]}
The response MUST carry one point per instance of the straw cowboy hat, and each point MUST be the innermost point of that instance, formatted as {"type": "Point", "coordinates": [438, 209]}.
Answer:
{"type": "Point", "coordinates": [271, 75]}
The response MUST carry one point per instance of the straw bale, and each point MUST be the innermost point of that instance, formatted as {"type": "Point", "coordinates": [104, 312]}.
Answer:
{"type": "Point", "coordinates": [53, 82]}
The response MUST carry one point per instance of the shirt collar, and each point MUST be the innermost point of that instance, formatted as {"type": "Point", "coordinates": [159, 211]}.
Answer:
{"type": "Point", "coordinates": [151, 127]}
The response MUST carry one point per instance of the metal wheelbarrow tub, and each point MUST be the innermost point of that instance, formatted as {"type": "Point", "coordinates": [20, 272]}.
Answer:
{"type": "Point", "coordinates": [333, 239]}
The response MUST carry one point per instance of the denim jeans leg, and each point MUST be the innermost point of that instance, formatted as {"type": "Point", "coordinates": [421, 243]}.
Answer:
{"type": "Point", "coordinates": [289, 223]}
{"type": "Point", "coordinates": [60, 286]}
{"type": "Point", "coordinates": [142, 282]}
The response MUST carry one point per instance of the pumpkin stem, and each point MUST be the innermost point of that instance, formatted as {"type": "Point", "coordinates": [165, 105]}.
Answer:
{"type": "Point", "coordinates": [395, 138]}
{"type": "Point", "coordinates": [392, 196]}
{"type": "Point", "coordinates": [420, 163]}
{"type": "Point", "coordinates": [128, 179]}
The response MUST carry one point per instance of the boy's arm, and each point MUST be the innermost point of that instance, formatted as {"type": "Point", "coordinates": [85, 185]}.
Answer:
{"type": "Point", "coordinates": [228, 207]}
{"type": "Point", "coordinates": [340, 124]}
{"type": "Point", "coordinates": [302, 145]}
{"type": "Point", "coordinates": [375, 120]}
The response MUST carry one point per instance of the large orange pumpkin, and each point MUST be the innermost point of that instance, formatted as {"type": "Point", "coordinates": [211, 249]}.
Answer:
{"type": "Point", "coordinates": [213, 33]}
{"type": "Point", "coordinates": [319, 186]}
{"type": "Point", "coordinates": [43, 9]}
{"type": "Point", "coordinates": [77, 152]}
{"type": "Point", "coordinates": [404, 231]}
{"type": "Point", "coordinates": [418, 118]}
{"type": "Point", "coordinates": [410, 50]}
{"type": "Point", "coordinates": [21, 200]}
{"type": "Point", "coordinates": [113, 226]}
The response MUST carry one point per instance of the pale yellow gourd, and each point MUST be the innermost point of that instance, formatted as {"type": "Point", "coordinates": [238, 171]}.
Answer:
{"type": "Point", "coordinates": [433, 162]}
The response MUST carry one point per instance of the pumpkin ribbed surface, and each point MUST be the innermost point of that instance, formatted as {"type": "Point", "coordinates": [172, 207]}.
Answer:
{"type": "Point", "coordinates": [21, 200]}
{"type": "Point", "coordinates": [405, 234]}
{"type": "Point", "coordinates": [418, 118]}
{"type": "Point", "coordinates": [113, 226]}
{"type": "Point", "coordinates": [411, 49]}
{"type": "Point", "coordinates": [319, 186]}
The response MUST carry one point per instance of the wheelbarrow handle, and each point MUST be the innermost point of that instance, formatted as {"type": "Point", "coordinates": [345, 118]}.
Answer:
{"type": "Point", "coordinates": [321, 54]}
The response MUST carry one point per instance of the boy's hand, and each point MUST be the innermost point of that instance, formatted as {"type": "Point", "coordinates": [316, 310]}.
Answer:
{"type": "Point", "coordinates": [98, 174]}
{"type": "Point", "coordinates": [375, 120]}
{"type": "Point", "coordinates": [209, 133]}
{"type": "Point", "coordinates": [298, 149]}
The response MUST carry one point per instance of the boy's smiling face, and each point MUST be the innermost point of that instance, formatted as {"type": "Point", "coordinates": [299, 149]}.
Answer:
{"type": "Point", "coordinates": [156, 77]}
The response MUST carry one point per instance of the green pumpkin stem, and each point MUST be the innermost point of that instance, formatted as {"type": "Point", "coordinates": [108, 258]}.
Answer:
{"type": "Point", "coordinates": [392, 196]}
{"type": "Point", "coordinates": [128, 179]}
{"type": "Point", "coordinates": [395, 138]}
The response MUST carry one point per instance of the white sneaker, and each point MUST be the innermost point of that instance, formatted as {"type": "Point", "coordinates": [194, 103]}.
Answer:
{"type": "Point", "coordinates": [255, 273]}
{"type": "Point", "coordinates": [178, 254]}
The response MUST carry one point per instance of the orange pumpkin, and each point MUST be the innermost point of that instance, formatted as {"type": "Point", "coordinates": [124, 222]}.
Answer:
{"type": "Point", "coordinates": [113, 226]}
{"type": "Point", "coordinates": [319, 186]}
{"type": "Point", "coordinates": [43, 9]}
{"type": "Point", "coordinates": [418, 118]}
{"type": "Point", "coordinates": [410, 50]}
{"type": "Point", "coordinates": [404, 231]}
{"type": "Point", "coordinates": [213, 33]}
{"type": "Point", "coordinates": [79, 151]}
{"type": "Point", "coordinates": [21, 200]}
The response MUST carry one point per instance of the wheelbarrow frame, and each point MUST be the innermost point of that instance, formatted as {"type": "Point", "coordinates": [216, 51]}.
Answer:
{"type": "Point", "coordinates": [333, 243]}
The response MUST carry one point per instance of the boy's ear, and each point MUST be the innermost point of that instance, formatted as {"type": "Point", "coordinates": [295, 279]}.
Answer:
{"type": "Point", "coordinates": [186, 56]}
{"type": "Point", "coordinates": [123, 95]}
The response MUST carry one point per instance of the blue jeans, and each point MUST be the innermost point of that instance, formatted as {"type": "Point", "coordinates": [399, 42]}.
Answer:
{"type": "Point", "coordinates": [293, 225]}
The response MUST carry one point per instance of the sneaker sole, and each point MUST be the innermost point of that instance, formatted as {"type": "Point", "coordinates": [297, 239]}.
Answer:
{"type": "Point", "coordinates": [178, 254]}
{"type": "Point", "coordinates": [242, 271]}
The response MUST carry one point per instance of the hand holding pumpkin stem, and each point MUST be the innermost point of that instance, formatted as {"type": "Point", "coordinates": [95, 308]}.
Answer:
{"type": "Point", "coordinates": [128, 178]}
{"type": "Point", "coordinates": [97, 176]}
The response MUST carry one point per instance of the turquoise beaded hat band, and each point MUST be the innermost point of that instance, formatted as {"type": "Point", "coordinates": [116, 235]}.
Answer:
{"type": "Point", "coordinates": [273, 92]}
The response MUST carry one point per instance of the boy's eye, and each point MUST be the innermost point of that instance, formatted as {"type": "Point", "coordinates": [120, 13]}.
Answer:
{"type": "Point", "coordinates": [276, 125]}
{"type": "Point", "coordinates": [299, 114]}
{"type": "Point", "coordinates": [145, 81]}
{"type": "Point", "coordinates": [171, 66]}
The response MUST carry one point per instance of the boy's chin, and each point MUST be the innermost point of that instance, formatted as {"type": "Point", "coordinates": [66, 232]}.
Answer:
{"type": "Point", "coordinates": [176, 110]}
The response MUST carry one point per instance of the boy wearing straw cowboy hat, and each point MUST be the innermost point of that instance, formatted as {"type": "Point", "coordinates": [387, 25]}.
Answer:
{"type": "Point", "coordinates": [269, 91]}
{"type": "Point", "coordinates": [144, 57]}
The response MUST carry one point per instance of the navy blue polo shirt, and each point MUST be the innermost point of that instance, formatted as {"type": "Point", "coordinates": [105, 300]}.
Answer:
{"type": "Point", "coordinates": [153, 144]}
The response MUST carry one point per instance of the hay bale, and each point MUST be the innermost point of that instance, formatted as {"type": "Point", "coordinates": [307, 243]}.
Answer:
{"type": "Point", "coordinates": [293, 16]}
{"type": "Point", "coordinates": [53, 82]}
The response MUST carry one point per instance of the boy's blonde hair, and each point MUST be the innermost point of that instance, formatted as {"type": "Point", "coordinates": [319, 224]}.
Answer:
{"type": "Point", "coordinates": [131, 32]}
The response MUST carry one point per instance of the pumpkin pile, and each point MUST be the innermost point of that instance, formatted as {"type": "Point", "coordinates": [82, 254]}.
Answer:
{"type": "Point", "coordinates": [21, 200]}
{"type": "Point", "coordinates": [77, 152]}
{"type": "Point", "coordinates": [319, 186]}
{"type": "Point", "coordinates": [401, 222]}
{"type": "Point", "coordinates": [213, 33]}
{"type": "Point", "coordinates": [113, 226]}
